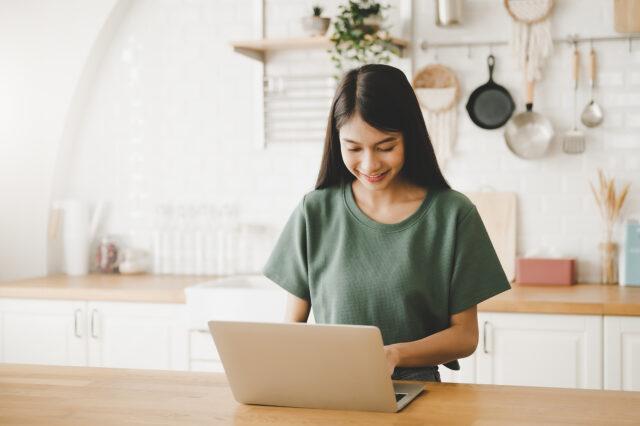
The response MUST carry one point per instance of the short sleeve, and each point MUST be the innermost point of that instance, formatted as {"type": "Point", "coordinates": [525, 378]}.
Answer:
{"type": "Point", "coordinates": [477, 273]}
{"type": "Point", "coordinates": [287, 264]}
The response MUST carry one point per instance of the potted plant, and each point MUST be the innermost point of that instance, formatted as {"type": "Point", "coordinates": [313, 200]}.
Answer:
{"type": "Point", "coordinates": [359, 37]}
{"type": "Point", "coordinates": [316, 25]}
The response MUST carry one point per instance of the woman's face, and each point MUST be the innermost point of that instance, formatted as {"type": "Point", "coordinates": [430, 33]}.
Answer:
{"type": "Point", "coordinates": [374, 157]}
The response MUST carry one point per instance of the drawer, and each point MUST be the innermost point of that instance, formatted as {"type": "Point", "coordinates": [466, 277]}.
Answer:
{"type": "Point", "coordinates": [202, 347]}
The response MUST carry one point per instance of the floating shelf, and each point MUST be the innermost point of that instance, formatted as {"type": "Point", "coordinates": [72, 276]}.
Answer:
{"type": "Point", "coordinates": [256, 49]}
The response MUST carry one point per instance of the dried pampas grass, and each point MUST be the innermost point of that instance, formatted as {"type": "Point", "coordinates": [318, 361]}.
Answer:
{"type": "Point", "coordinates": [609, 202]}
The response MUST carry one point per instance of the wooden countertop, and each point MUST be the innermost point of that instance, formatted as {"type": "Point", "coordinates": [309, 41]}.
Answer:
{"type": "Point", "coordinates": [119, 288]}
{"type": "Point", "coordinates": [46, 395]}
{"type": "Point", "coordinates": [588, 299]}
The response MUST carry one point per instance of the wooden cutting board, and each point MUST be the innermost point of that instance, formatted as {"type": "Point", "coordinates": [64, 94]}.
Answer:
{"type": "Point", "coordinates": [498, 212]}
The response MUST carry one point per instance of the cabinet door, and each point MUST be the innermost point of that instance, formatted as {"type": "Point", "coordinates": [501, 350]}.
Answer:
{"type": "Point", "coordinates": [34, 331]}
{"type": "Point", "coordinates": [540, 350]}
{"type": "Point", "coordinates": [622, 353]}
{"type": "Point", "coordinates": [137, 335]}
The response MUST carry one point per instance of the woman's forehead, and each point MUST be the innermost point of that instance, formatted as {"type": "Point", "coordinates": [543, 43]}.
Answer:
{"type": "Point", "coordinates": [358, 130]}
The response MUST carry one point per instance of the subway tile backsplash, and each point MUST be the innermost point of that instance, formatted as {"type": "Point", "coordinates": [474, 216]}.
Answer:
{"type": "Point", "coordinates": [172, 121]}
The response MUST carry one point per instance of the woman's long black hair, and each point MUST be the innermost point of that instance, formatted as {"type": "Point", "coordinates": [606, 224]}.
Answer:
{"type": "Point", "coordinates": [384, 98]}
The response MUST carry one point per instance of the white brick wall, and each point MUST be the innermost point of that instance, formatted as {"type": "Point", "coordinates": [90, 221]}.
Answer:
{"type": "Point", "coordinates": [173, 119]}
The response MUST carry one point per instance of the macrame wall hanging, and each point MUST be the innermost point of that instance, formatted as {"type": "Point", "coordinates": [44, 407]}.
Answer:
{"type": "Point", "coordinates": [438, 91]}
{"type": "Point", "coordinates": [531, 40]}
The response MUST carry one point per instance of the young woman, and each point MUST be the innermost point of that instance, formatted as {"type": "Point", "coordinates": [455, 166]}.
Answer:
{"type": "Point", "coordinates": [383, 240]}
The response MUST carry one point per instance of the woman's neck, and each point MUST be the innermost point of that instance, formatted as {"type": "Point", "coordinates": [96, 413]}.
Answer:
{"type": "Point", "coordinates": [398, 192]}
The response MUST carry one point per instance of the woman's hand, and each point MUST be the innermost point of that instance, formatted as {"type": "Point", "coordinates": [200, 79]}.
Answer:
{"type": "Point", "coordinates": [393, 357]}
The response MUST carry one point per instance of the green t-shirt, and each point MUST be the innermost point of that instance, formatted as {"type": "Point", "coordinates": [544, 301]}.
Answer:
{"type": "Point", "coordinates": [405, 278]}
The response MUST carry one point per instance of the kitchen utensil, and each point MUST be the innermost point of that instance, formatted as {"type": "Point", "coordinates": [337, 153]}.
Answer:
{"type": "Point", "coordinates": [438, 91]}
{"type": "Point", "coordinates": [573, 140]}
{"type": "Point", "coordinates": [498, 213]}
{"type": "Point", "coordinates": [528, 134]}
{"type": "Point", "coordinates": [448, 12]}
{"type": "Point", "coordinates": [490, 105]}
{"type": "Point", "coordinates": [592, 114]}
{"type": "Point", "coordinates": [531, 41]}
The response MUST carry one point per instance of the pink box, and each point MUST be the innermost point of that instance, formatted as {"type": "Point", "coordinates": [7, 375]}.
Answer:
{"type": "Point", "coordinates": [545, 271]}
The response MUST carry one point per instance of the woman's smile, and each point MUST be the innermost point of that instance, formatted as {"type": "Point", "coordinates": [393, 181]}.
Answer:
{"type": "Point", "coordinates": [375, 177]}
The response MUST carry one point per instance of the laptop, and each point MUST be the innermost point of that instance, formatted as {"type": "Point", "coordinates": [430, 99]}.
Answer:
{"type": "Point", "coordinates": [339, 367]}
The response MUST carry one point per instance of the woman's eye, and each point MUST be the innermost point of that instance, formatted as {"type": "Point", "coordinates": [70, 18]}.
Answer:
{"type": "Point", "coordinates": [388, 149]}
{"type": "Point", "coordinates": [353, 149]}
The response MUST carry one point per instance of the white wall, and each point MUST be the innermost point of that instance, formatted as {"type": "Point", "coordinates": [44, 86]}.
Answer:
{"type": "Point", "coordinates": [43, 49]}
{"type": "Point", "coordinates": [556, 207]}
{"type": "Point", "coordinates": [172, 119]}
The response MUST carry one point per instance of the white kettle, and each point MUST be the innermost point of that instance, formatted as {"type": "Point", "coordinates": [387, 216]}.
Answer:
{"type": "Point", "coordinates": [78, 231]}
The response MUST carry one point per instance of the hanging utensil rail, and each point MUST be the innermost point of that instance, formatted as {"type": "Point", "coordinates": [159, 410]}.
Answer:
{"type": "Point", "coordinates": [424, 45]}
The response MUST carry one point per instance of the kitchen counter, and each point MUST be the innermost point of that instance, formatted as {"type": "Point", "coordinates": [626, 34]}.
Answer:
{"type": "Point", "coordinates": [46, 395]}
{"type": "Point", "coordinates": [118, 288]}
{"type": "Point", "coordinates": [583, 299]}
{"type": "Point", "coordinates": [586, 299]}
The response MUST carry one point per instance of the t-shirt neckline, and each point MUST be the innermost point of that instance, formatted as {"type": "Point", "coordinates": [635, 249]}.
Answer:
{"type": "Point", "coordinates": [361, 217]}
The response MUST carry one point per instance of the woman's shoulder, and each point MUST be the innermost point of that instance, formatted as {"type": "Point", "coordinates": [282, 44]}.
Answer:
{"type": "Point", "coordinates": [451, 202]}
{"type": "Point", "coordinates": [321, 199]}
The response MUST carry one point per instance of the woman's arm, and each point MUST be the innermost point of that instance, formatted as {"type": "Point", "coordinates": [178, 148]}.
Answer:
{"type": "Point", "coordinates": [458, 341]}
{"type": "Point", "coordinates": [297, 309]}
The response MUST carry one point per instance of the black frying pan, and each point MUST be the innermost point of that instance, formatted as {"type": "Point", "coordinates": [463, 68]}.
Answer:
{"type": "Point", "coordinates": [490, 105]}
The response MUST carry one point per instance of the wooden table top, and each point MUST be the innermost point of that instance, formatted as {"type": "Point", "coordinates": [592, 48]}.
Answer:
{"type": "Point", "coordinates": [588, 299]}
{"type": "Point", "coordinates": [46, 395]}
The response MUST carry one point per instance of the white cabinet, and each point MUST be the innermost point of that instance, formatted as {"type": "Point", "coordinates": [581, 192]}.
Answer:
{"type": "Point", "coordinates": [622, 353]}
{"type": "Point", "coordinates": [98, 334]}
{"type": "Point", "coordinates": [466, 374]}
{"type": "Point", "coordinates": [540, 350]}
{"type": "Point", "coordinates": [34, 331]}
{"type": "Point", "coordinates": [203, 355]}
{"type": "Point", "coordinates": [137, 335]}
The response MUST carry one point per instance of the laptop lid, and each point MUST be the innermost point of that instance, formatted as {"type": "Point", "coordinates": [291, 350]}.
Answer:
{"type": "Point", "coordinates": [306, 365]}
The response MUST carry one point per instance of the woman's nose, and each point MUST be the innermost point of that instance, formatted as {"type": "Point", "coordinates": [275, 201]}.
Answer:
{"type": "Point", "coordinates": [370, 162]}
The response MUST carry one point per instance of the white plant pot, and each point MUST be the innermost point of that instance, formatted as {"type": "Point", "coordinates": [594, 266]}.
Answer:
{"type": "Point", "coordinates": [315, 25]}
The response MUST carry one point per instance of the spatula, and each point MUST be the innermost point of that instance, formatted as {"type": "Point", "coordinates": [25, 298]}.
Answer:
{"type": "Point", "coordinates": [573, 140]}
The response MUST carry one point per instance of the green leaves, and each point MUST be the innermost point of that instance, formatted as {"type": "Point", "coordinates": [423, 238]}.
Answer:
{"type": "Point", "coordinates": [358, 36]}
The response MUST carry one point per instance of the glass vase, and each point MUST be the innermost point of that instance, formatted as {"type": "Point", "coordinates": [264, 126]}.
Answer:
{"type": "Point", "coordinates": [608, 262]}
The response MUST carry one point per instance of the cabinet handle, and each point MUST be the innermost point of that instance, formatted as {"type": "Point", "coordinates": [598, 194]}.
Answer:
{"type": "Point", "coordinates": [76, 324]}
{"type": "Point", "coordinates": [485, 331]}
{"type": "Point", "coordinates": [94, 326]}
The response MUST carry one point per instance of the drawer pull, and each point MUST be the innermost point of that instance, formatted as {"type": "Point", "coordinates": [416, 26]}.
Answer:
{"type": "Point", "coordinates": [76, 324]}
{"type": "Point", "coordinates": [94, 323]}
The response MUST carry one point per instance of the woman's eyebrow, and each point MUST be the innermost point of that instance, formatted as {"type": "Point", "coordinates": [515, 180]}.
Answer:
{"type": "Point", "coordinates": [387, 139]}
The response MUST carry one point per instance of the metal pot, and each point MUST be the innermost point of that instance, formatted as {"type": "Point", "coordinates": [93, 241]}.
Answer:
{"type": "Point", "coordinates": [528, 134]}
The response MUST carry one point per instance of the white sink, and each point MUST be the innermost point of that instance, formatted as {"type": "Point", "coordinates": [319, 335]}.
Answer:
{"type": "Point", "coordinates": [238, 298]}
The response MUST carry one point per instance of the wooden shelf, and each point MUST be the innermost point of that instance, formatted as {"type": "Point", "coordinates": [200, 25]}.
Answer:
{"type": "Point", "coordinates": [256, 49]}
